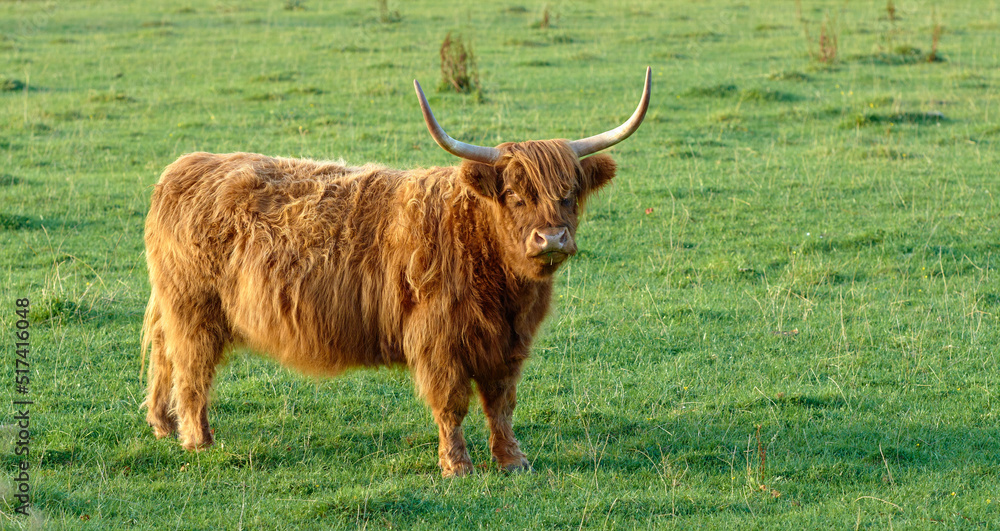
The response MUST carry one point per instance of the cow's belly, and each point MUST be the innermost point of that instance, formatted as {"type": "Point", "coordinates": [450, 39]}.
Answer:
{"type": "Point", "coordinates": [322, 330]}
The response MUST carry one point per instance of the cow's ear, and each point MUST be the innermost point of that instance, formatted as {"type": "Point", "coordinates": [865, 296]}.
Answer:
{"type": "Point", "coordinates": [482, 178]}
{"type": "Point", "coordinates": [598, 170]}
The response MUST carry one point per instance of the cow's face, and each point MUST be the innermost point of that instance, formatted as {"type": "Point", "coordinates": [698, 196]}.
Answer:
{"type": "Point", "coordinates": [536, 191]}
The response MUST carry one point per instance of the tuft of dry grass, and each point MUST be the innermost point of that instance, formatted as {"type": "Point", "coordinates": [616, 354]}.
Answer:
{"type": "Point", "coordinates": [386, 15]}
{"type": "Point", "coordinates": [933, 56]}
{"type": "Point", "coordinates": [458, 66]}
{"type": "Point", "coordinates": [546, 21]}
{"type": "Point", "coordinates": [827, 44]}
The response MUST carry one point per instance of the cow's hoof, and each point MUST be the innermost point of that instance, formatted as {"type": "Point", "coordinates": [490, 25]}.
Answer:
{"type": "Point", "coordinates": [518, 465]}
{"type": "Point", "coordinates": [161, 432]}
{"type": "Point", "coordinates": [163, 426]}
{"type": "Point", "coordinates": [197, 446]}
{"type": "Point", "coordinates": [457, 470]}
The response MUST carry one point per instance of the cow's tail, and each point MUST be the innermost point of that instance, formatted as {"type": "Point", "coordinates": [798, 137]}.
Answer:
{"type": "Point", "coordinates": [150, 327]}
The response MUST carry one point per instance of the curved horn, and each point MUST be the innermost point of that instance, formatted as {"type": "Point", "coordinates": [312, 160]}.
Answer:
{"type": "Point", "coordinates": [607, 139]}
{"type": "Point", "coordinates": [486, 155]}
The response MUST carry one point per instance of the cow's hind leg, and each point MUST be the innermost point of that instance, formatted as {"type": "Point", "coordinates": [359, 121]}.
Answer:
{"type": "Point", "coordinates": [499, 399]}
{"type": "Point", "coordinates": [447, 394]}
{"type": "Point", "coordinates": [195, 343]}
{"type": "Point", "coordinates": [159, 398]}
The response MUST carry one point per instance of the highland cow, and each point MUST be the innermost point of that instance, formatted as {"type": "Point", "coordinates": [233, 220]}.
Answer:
{"type": "Point", "coordinates": [326, 267]}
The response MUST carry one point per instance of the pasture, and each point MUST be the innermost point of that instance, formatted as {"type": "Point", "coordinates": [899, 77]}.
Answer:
{"type": "Point", "coordinates": [784, 311]}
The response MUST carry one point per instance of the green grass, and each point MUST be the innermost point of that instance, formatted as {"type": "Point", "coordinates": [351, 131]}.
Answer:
{"type": "Point", "coordinates": [819, 261]}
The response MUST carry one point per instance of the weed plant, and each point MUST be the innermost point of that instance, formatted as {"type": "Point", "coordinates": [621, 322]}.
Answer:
{"type": "Point", "coordinates": [458, 65]}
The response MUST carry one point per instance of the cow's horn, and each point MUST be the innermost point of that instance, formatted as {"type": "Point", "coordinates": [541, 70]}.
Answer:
{"type": "Point", "coordinates": [607, 139]}
{"type": "Point", "coordinates": [486, 155]}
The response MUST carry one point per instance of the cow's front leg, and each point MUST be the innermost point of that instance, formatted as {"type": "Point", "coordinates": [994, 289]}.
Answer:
{"type": "Point", "coordinates": [499, 399]}
{"type": "Point", "coordinates": [453, 457]}
{"type": "Point", "coordinates": [447, 394]}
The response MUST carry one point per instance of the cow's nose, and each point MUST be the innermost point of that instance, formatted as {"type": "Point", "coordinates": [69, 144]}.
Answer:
{"type": "Point", "coordinates": [549, 239]}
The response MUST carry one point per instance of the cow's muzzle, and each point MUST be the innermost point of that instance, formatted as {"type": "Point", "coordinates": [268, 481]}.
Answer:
{"type": "Point", "coordinates": [550, 245]}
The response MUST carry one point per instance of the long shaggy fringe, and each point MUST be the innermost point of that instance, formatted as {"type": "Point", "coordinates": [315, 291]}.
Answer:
{"type": "Point", "coordinates": [538, 161]}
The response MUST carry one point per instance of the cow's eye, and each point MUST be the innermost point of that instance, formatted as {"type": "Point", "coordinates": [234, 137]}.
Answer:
{"type": "Point", "coordinates": [568, 201]}
{"type": "Point", "coordinates": [514, 199]}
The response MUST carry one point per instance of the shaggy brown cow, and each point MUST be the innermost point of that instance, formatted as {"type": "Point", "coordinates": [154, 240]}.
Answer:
{"type": "Point", "coordinates": [326, 267]}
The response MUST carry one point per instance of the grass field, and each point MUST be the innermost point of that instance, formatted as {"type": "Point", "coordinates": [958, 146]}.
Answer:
{"type": "Point", "coordinates": [784, 312]}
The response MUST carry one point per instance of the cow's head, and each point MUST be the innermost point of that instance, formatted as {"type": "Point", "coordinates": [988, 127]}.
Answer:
{"type": "Point", "coordinates": [536, 189]}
